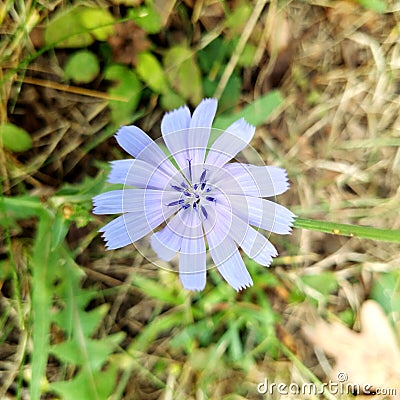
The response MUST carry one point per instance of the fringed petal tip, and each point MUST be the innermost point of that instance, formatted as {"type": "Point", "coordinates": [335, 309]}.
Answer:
{"type": "Point", "coordinates": [244, 286]}
{"type": "Point", "coordinates": [195, 282]}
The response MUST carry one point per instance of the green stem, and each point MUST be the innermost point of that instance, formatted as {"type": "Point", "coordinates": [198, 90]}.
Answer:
{"type": "Point", "coordinates": [366, 232]}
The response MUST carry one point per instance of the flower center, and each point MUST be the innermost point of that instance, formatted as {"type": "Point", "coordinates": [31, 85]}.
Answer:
{"type": "Point", "coordinates": [194, 195]}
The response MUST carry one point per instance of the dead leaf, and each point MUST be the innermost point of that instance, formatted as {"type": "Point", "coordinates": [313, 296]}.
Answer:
{"type": "Point", "coordinates": [371, 357]}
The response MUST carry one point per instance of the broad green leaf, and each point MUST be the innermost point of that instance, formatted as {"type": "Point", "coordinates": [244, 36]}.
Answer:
{"type": "Point", "coordinates": [66, 30]}
{"type": "Point", "coordinates": [98, 21]}
{"type": "Point", "coordinates": [88, 386]}
{"type": "Point", "coordinates": [171, 100]}
{"type": "Point", "coordinates": [255, 113]}
{"type": "Point", "coordinates": [183, 73]}
{"type": "Point", "coordinates": [151, 72]}
{"type": "Point", "coordinates": [82, 67]}
{"type": "Point", "coordinates": [127, 86]}
{"type": "Point", "coordinates": [146, 18]}
{"type": "Point", "coordinates": [14, 138]}
{"type": "Point", "coordinates": [231, 94]}
{"type": "Point", "coordinates": [91, 354]}
{"type": "Point", "coordinates": [78, 26]}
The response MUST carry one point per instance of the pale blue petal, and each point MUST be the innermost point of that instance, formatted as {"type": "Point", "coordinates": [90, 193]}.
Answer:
{"type": "Point", "coordinates": [199, 133]}
{"type": "Point", "coordinates": [234, 271]}
{"type": "Point", "coordinates": [130, 227]}
{"type": "Point", "coordinates": [258, 181]}
{"type": "Point", "coordinates": [231, 142]}
{"type": "Point", "coordinates": [174, 127]}
{"type": "Point", "coordinates": [139, 145]}
{"type": "Point", "coordinates": [167, 242]}
{"type": "Point", "coordinates": [253, 243]}
{"type": "Point", "coordinates": [192, 259]}
{"type": "Point", "coordinates": [259, 212]}
{"type": "Point", "coordinates": [141, 174]}
{"type": "Point", "coordinates": [119, 171]}
{"type": "Point", "coordinates": [224, 252]}
{"type": "Point", "coordinates": [204, 114]}
{"type": "Point", "coordinates": [131, 200]}
{"type": "Point", "coordinates": [133, 140]}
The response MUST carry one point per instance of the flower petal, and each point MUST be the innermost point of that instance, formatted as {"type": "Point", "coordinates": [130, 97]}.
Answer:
{"type": "Point", "coordinates": [167, 242]}
{"type": "Point", "coordinates": [141, 174]}
{"type": "Point", "coordinates": [133, 140]}
{"type": "Point", "coordinates": [204, 114]}
{"type": "Point", "coordinates": [231, 266]}
{"type": "Point", "coordinates": [192, 259]}
{"type": "Point", "coordinates": [174, 127]}
{"type": "Point", "coordinates": [130, 227]}
{"type": "Point", "coordinates": [139, 145]}
{"type": "Point", "coordinates": [199, 133]}
{"type": "Point", "coordinates": [231, 142]}
{"type": "Point", "coordinates": [259, 212]}
{"type": "Point", "coordinates": [130, 200]}
{"type": "Point", "coordinates": [119, 171]}
{"type": "Point", "coordinates": [253, 243]}
{"type": "Point", "coordinates": [224, 251]}
{"type": "Point", "coordinates": [258, 181]}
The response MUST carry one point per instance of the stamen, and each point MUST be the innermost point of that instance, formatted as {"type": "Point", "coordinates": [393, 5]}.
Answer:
{"type": "Point", "coordinates": [175, 203]}
{"type": "Point", "coordinates": [186, 206]}
{"type": "Point", "coordinates": [203, 185]}
{"type": "Point", "coordinates": [213, 199]}
{"type": "Point", "coordinates": [186, 193]}
{"type": "Point", "coordinates": [194, 205]}
{"type": "Point", "coordinates": [203, 176]}
{"type": "Point", "coordinates": [183, 184]}
{"type": "Point", "coordinates": [190, 168]}
{"type": "Point", "coordinates": [208, 189]}
{"type": "Point", "coordinates": [204, 211]}
{"type": "Point", "coordinates": [179, 189]}
{"type": "Point", "coordinates": [195, 186]}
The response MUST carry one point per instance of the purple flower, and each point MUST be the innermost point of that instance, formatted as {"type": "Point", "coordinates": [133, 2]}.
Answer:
{"type": "Point", "coordinates": [205, 197]}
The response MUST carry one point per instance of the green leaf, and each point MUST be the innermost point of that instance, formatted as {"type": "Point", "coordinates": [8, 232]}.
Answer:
{"type": "Point", "coordinates": [183, 73]}
{"type": "Point", "coordinates": [151, 72]}
{"type": "Point", "coordinates": [98, 21]}
{"type": "Point", "coordinates": [78, 27]}
{"type": "Point", "coordinates": [82, 67]}
{"type": "Point", "coordinates": [325, 282]}
{"type": "Point", "coordinates": [386, 291]}
{"type": "Point", "coordinates": [42, 266]}
{"type": "Point", "coordinates": [85, 385]}
{"type": "Point", "coordinates": [171, 100]}
{"type": "Point", "coordinates": [72, 352]}
{"type": "Point", "coordinates": [157, 291]}
{"type": "Point", "coordinates": [146, 18]}
{"type": "Point", "coordinates": [379, 6]}
{"type": "Point", "coordinates": [255, 113]}
{"type": "Point", "coordinates": [129, 87]}
{"type": "Point", "coordinates": [237, 19]}
{"type": "Point", "coordinates": [14, 138]}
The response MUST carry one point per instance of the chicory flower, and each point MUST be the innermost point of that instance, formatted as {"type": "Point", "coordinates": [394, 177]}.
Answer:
{"type": "Point", "coordinates": [193, 195]}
